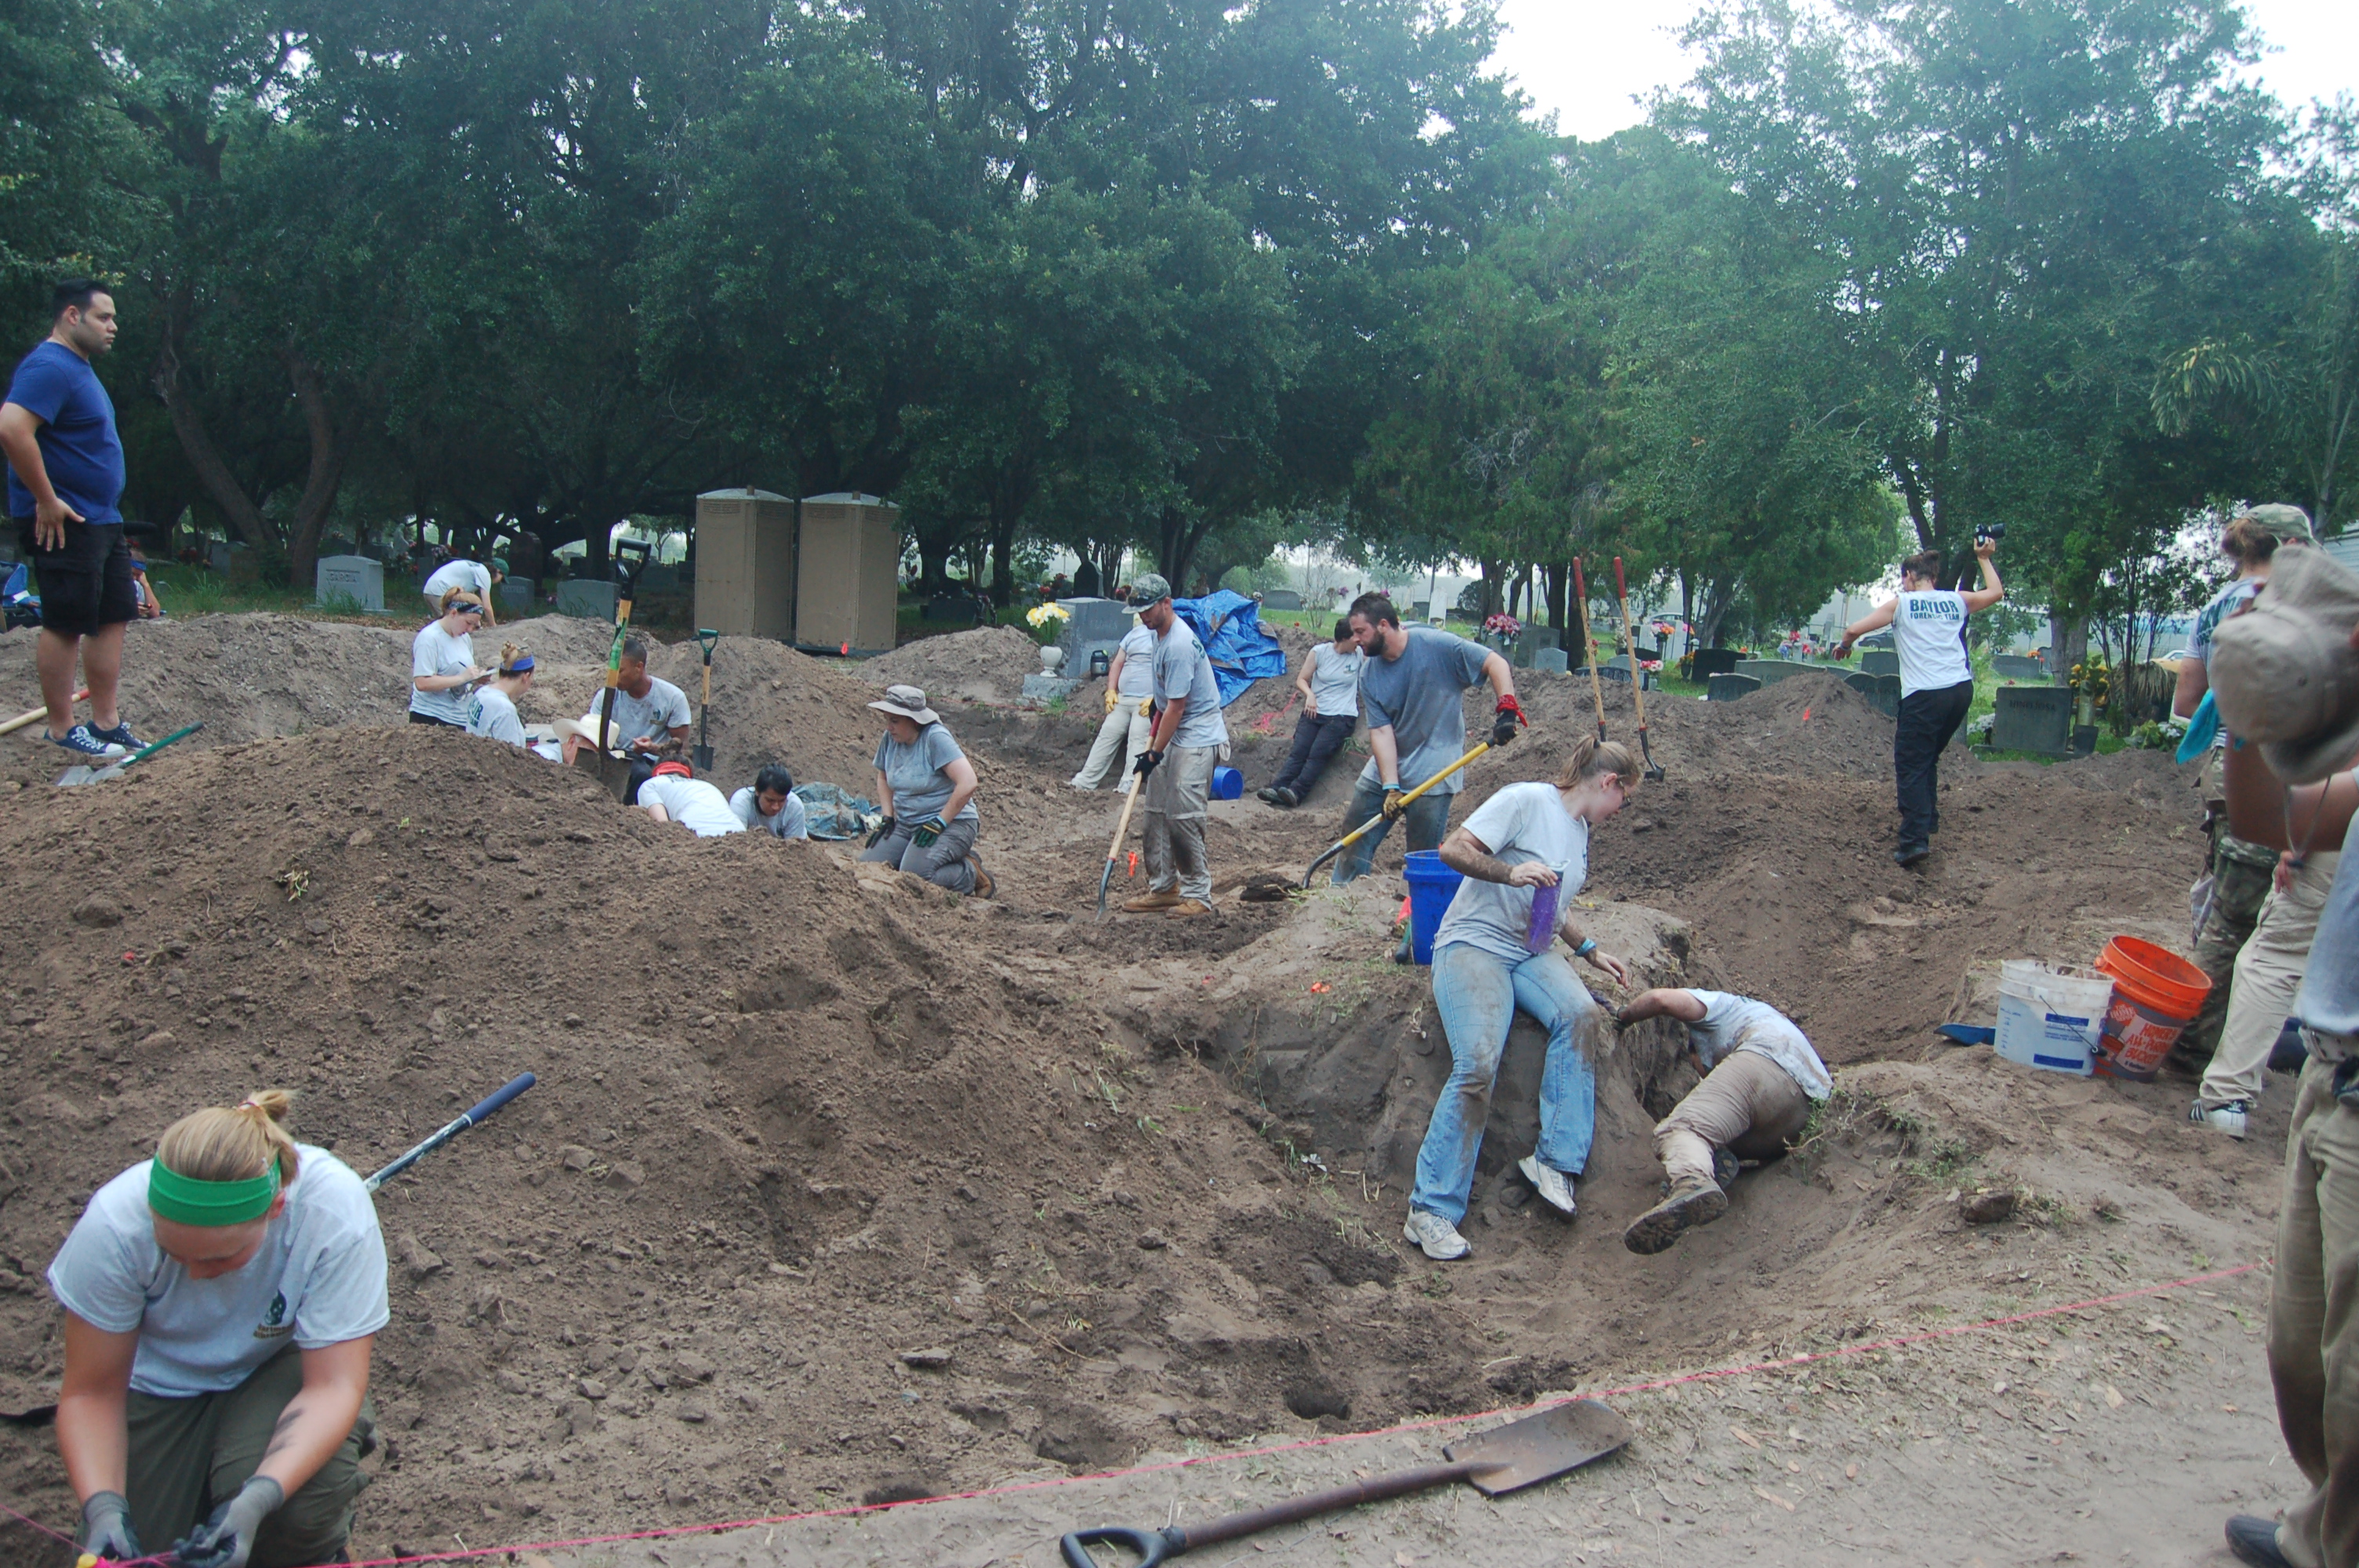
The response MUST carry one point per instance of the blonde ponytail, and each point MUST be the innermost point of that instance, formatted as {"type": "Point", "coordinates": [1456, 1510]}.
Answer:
{"type": "Point", "coordinates": [1592, 757]}
{"type": "Point", "coordinates": [233, 1144]}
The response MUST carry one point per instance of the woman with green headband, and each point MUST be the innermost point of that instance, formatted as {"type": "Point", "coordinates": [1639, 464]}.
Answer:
{"type": "Point", "coordinates": [220, 1303]}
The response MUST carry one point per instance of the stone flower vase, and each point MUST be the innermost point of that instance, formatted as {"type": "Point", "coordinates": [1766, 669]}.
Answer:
{"type": "Point", "coordinates": [1052, 659]}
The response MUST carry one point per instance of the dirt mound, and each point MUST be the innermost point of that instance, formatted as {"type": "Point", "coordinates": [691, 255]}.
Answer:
{"type": "Point", "coordinates": [986, 664]}
{"type": "Point", "coordinates": [768, 1157]}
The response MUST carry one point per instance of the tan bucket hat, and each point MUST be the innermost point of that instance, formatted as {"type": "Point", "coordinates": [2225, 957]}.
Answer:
{"type": "Point", "coordinates": [907, 702]}
{"type": "Point", "coordinates": [2285, 674]}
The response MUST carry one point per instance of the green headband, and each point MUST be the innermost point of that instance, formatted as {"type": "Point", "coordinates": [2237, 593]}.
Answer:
{"type": "Point", "coordinates": [189, 1201]}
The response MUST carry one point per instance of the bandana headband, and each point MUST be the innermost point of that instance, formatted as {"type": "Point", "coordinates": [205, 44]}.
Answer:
{"type": "Point", "coordinates": [186, 1200]}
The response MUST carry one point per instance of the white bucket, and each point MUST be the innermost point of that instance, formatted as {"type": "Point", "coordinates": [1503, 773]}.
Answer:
{"type": "Point", "coordinates": [2049, 1015]}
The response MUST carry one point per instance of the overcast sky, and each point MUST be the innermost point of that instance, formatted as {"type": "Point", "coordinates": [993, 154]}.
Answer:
{"type": "Point", "coordinates": [1589, 62]}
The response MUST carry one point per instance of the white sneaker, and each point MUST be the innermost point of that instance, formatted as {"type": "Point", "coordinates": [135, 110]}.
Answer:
{"type": "Point", "coordinates": [1553, 1186]}
{"type": "Point", "coordinates": [1436, 1236]}
{"type": "Point", "coordinates": [2228, 1118]}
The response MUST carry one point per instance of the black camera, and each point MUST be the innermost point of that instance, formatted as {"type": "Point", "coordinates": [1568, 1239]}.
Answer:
{"type": "Point", "coordinates": [1989, 531]}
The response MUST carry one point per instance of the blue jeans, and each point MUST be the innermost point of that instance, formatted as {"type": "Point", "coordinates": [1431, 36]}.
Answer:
{"type": "Point", "coordinates": [1427, 817]}
{"type": "Point", "coordinates": [1477, 994]}
{"type": "Point", "coordinates": [1316, 736]}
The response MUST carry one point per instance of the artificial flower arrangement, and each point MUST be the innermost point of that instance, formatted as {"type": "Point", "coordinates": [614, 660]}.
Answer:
{"type": "Point", "coordinates": [1045, 619]}
{"type": "Point", "coordinates": [1505, 625]}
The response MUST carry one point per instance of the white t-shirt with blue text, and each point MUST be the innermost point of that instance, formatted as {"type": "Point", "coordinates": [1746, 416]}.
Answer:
{"type": "Point", "coordinates": [318, 1279]}
{"type": "Point", "coordinates": [1522, 822]}
{"type": "Point", "coordinates": [1929, 633]}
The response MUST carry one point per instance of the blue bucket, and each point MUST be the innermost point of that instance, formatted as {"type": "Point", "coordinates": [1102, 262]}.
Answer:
{"type": "Point", "coordinates": [1228, 783]}
{"type": "Point", "coordinates": [1431, 886]}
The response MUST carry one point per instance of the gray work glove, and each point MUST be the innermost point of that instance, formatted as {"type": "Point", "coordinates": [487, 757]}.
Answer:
{"type": "Point", "coordinates": [106, 1528]}
{"type": "Point", "coordinates": [226, 1540]}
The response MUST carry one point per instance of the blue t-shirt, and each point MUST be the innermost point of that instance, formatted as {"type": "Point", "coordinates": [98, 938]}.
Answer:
{"type": "Point", "coordinates": [1417, 696]}
{"type": "Point", "coordinates": [79, 448]}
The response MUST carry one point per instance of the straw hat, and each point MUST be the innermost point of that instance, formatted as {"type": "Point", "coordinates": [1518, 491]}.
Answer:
{"type": "Point", "coordinates": [907, 702]}
{"type": "Point", "coordinates": [2284, 673]}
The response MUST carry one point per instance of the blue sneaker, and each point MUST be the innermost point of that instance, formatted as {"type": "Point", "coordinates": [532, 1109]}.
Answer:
{"type": "Point", "coordinates": [120, 735]}
{"type": "Point", "coordinates": [84, 741]}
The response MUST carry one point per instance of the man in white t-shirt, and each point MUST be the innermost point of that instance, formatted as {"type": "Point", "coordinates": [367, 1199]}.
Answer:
{"type": "Point", "coordinates": [1760, 1080]}
{"type": "Point", "coordinates": [1936, 682]}
{"type": "Point", "coordinates": [1130, 690]}
{"type": "Point", "coordinates": [674, 793]}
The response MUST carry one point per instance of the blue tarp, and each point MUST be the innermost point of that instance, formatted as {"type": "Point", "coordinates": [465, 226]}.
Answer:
{"type": "Point", "coordinates": [1229, 625]}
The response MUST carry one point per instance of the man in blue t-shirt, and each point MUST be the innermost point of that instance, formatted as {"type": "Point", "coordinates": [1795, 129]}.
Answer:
{"type": "Point", "coordinates": [65, 477]}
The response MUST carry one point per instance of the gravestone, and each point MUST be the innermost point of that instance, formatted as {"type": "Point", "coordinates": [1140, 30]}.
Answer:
{"type": "Point", "coordinates": [351, 577]}
{"type": "Point", "coordinates": [1528, 645]}
{"type": "Point", "coordinates": [1551, 659]}
{"type": "Point", "coordinates": [586, 598]}
{"type": "Point", "coordinates": [1879, 662]}
{"type": "Point", "coordinates": [1770, 672]}
{"type": "Point", "coordinates": [1095, 623]}
{"type": "Point", "coordinates": [1618, 668]}
{"type": "Point", "coordinates": [1281, 598]}
{"type": "Point", "coordinates": [1710, 662]}
{"type": "Point", "coordinates": [658, 577]}
{"type": "Point", "coordinates": [951, 607]}
{"type": "Point", "coordinates": [2034, 719]}
{"type": "Point", "coordinates": [2015, 667]}
{"type": "Point", "coordinates": [1725, 687]}
{"type": "Point", "coordinates": [1039, 689]}
{"type": "Point", "coordinates": [1881, 691]}
{"type": "Point", "coordinates": [1420, 608]}
{"type": "Point", "coordinates": [516, 593]}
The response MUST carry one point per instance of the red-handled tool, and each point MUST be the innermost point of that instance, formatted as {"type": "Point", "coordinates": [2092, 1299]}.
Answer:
{"type": "Point", "coordinates": [1638, 675]}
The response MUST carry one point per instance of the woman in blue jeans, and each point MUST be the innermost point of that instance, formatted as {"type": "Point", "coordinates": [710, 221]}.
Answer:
{"type": "Point", "coordinates": [1488, 961]}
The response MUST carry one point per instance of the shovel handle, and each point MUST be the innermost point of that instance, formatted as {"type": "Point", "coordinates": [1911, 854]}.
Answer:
{"type": "Point", "coordinates": [1155, 1546]}
{"type": "Point", "coordinates": [1378, 820]}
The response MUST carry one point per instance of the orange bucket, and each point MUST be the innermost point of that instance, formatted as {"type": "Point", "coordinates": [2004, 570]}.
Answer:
{"type": "Point", "coordinates": [2157, 994]}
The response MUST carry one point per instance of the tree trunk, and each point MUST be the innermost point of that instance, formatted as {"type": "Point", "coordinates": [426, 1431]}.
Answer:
{"type": "Point", "coordinates": [330, 448]}
{"type": "Point", "coordinates": [222, 487]}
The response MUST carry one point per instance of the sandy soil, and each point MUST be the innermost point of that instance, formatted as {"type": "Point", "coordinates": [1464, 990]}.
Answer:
{"type": "Point", "coordinates": [838, 1189]}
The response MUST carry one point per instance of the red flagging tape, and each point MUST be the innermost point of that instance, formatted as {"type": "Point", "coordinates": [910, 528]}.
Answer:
{"type": "Point", "coordinates": [1780, 1364]}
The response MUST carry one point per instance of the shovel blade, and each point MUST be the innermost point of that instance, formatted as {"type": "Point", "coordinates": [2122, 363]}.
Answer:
{"type": "Point", "coordinates": [1540, 1447]}
{"type": "Point", "coordinates": [82, 773]}
{"type": "Point", "coordinates": [702, 757]}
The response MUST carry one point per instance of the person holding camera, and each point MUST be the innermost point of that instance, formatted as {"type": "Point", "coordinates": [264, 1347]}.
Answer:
{"type": "Point", "coordinates": [1936, 681]}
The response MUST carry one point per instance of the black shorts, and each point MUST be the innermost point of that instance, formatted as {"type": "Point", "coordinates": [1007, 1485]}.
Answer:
{"type": "Point", "coordinates": [85, 583]}
{"type": "Point", "coordinates": [418, 717]}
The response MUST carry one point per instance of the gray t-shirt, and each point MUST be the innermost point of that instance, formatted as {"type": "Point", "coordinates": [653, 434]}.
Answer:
{"type": "Point", "coordinates": [491, 712]}
{"type": "Point", "coordinates": [434, 652]}
{"type": "Point", "coordinates": [1137, 663]}
{"type": "Point", "coordinates": [913, 773]}
{"type": "Point", "coordinates": [789, 823]}
{"type": "Point", "coordinates": [473, 576]}
{"type": "Point", "coordinates": [693, 804]}
{"type": "Point", "coordinates": [1419, 695]}
{"type": "Point", "coordinates": [2329, 998]}
{"type": "Point", "coordinates": [1741, 1023]}
{"type": "Point", "coordinates": [1183, 669]}
{"type": "Point", "coordinates": [650, 718]}
{"type": "Point", "coordinates": [1522, 822]}
{"type": "Point", "coordinates": [319, 1279]}
{"type": "Point", "coordinates": [1335, 680]}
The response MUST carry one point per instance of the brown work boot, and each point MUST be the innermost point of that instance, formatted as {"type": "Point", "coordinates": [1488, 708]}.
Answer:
{"type": "Point", "coordinates": [1190, 906]}
{"type": "Point", "coordinates": [1148, 903]}
{"type": "Point", "coordinates": [984, 886]}
{"type": "Point", "coordinates": [1691, 1204]}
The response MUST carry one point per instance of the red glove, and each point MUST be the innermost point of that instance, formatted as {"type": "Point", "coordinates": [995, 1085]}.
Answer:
{"type": "Point", "coordinates": [1508, 715]}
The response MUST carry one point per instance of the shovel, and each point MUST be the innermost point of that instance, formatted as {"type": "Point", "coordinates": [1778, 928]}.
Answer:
{"type": "Point", "coordinates": [27, 721]}
{"type": "Point", "coordinates": [483, 1108]}
{"type": "Point", "coordinates": [1638, 675]}
{"type": "Point", "coordinates": [1589, 632]}
{"type": "Point", "coordinates": [703, 755]}
{"type": "Point", "coordinates": [1113, 850]}
{"type": "Point", "coordinates": [1378, 820]}
{"type": "Point", "coordinates": [81, 774]}
{"type": "Point", "coordinates": [1505, 1459]}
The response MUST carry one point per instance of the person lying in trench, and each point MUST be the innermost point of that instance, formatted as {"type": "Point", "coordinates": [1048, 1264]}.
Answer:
{"type": "Point", "coordinates": [1760, 1080]}
{"type": "Point", "coordinates": [1526, 846]}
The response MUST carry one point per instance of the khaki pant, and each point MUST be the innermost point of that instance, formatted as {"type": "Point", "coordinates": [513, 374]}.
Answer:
{"type": "Point", "coordinates": [2314, 1322]}
{"type": "Point", "coordinates": [190, 1456]}
{"type": "Point", "coordinates": [2268, 972]}
{"type": "Point", "coordinates": [1127, 722]}
{"type": "Point", "coordinates": [1178, 793]}
{"type": "Point", "coordinates": [2241, 875]}
{"type": "Point", "coordinates": [1748, 1105]}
